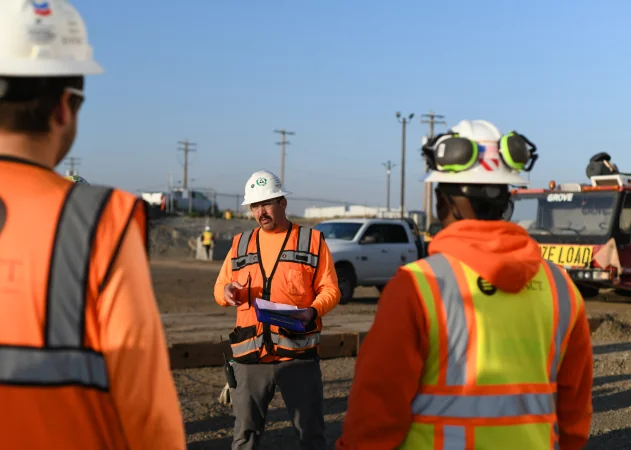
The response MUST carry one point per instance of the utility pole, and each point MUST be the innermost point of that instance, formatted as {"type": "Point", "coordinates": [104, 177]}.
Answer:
{"type": "Point", "coordinates": [283, 142]}
{"type": "Point", "coordinates": [72, 161]}
{"type": "Point", "coordinates": [403, 122]}
{"type": "Point", "coordinates": [389, 166]}
{"type": "Point", "coordinates": [428, 188]}
{"type": "Point", "coordinates": [187, 148]}
{"type": "Point", "coordinates": [169, 205]}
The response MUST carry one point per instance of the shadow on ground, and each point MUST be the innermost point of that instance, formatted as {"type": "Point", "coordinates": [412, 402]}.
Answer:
{"type": "Point", "coordinates": [273, 438]}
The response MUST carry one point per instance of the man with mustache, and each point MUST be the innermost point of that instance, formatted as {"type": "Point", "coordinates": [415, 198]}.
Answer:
{"type": "Point", "coordinates": [283, 263]}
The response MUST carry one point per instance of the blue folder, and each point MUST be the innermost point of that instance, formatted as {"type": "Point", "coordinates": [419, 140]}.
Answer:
{"type": "Point", "coordinates": [278, 319]}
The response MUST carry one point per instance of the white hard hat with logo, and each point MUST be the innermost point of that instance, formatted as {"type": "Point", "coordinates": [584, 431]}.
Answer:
{"type": "Point", "coordinates": [263, 185]}
{"type": "Point", "coordinates": [476, 152]}
{"type": "Point", "coordinates": [43, 38]}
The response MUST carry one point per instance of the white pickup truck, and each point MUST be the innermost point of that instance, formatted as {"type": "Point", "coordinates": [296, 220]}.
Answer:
{"type": "Point", "coordinates": [368, 252]}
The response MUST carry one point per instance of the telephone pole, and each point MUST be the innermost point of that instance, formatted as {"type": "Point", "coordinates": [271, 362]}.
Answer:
{"type": "Point", "coordinates": [403, 122]}
{"type": "Point", "coordinates": [187, 148]}
{"type": "Point", "coordinates": [283, 142]}
{"type": "Point", "coordinates": [72, 161]}
{"type": "Point", "coordinates": [428, 189]}
{"type": "Point", "coordinates": [389, 166]}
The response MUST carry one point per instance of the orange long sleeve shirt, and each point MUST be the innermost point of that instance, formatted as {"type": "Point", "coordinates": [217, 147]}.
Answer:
{"type": "Point", "coordinates": [391, 359]}
{"type": "Point", "coordinates": [271, 242]}
{"type": "Point", "coordinates": [135, 349]}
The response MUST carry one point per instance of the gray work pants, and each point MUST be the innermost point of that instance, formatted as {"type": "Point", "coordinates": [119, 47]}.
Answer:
{"type": "Point", "coordinates": [300, 383]}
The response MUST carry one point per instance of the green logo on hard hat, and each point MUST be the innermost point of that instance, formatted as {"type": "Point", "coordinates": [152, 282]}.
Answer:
{"type": "Point", "coordinates": [261, 181]}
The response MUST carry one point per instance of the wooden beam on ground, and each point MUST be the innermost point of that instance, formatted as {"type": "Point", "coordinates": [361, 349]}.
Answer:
{"type": "Point", "coordinates": [194, 355]}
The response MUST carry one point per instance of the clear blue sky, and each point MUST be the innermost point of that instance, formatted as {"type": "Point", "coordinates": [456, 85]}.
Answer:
{"type": "Point", "coordinates": [226, 73]}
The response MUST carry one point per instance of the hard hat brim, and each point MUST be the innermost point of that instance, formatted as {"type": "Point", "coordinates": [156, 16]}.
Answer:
{"type": "Point", "coordinates": [468, 177]}
{"type": "Point", "coordinates": [266, 197]}
{"type": "Point", "coordinates": [46, 68]}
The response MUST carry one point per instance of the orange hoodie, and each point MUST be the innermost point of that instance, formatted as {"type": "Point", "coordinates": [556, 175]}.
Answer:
{"type": "Point", "coordinates": [390, 363]}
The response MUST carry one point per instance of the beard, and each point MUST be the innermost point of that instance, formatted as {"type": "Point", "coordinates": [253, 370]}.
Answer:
{"type": "Point", "coordinates": [66, 141]}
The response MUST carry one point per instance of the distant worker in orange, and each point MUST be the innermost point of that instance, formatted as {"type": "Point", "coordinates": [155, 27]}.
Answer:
{"type": "Point", "coordinates": [483, 344]}
{"type": "Point", "coordinates": [283, 263]}
{"type": "Point", "coordinates": [83, 357]}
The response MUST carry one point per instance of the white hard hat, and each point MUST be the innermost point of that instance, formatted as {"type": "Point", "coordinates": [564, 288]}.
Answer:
{"type": "Point", "coordinates": [42, 38]}
{"type": "Point", "coordinates": [491, 155]}
{"type": "Point", "coordinates": [207, 228]}
{"type": "Point", "coordinates": [263, 185]}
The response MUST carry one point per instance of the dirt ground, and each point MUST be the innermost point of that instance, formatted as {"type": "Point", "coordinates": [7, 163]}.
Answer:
{"type": "Point", "coordinates": [186, 286]}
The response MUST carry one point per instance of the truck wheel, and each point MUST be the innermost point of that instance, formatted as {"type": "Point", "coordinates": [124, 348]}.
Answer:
{"type": "Point", "coordinates": [588, 291]}
{"type": "Point", "coordinates": [346, 282]}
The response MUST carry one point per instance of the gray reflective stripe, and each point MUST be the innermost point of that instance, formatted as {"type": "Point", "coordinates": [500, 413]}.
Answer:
{"type": "Point", "coordinates": [304, 239]}
{"type": "Point", "coordinates": [565, 308]}
{"type": "Point", "coordinates": [309, 341]}
{"type": "Point", "coordinates": [247, 346]}
{"type": "Point", "coordinates": [238, 263]}
{"type": "Point", "coordinates": [300, 258]}
{"type": "Point", "coordinates": [483, 406]}
{"type": "Point", "coordinates": [454, 438]}
{"type": "Point", "coordinates": [242, 249]}
{"type": "Point", "coordinates": [70, 265]}
{"type": "Point", "coordinates": [256, 343]}
{"type": "Point", "coordinates": [45, 366]}
{"type": "Point", "coordinates": [457, 331]}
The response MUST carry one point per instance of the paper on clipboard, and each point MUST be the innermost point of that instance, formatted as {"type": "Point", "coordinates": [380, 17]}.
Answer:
{"type": "Point", "coordinates": [278, 308]}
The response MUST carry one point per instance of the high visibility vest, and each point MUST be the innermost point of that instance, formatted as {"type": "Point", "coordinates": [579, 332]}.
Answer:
{"type": "Point", "coordinates": [207, 237]}
{"type": "Point", "coordinates": [52, 369]}
{"type": "Point", "coordinates": [489, 381]}
{"type": "Point", "coordinates": [291, 283]}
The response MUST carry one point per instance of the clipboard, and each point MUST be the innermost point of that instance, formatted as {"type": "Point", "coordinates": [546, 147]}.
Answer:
{"type": "Point", "coordinates": [278, 318]}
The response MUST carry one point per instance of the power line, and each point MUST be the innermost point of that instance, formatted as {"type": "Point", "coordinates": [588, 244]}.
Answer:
{"type": "Point", "coordinates": [283, 142]}
{"type": "Point", "coordinates": [388, 165]}
{"type": "Point", "coordinates": [403, 122]}
{"type": "Point", "coordinates": [427, 187]}
{"type": "Point", "coordinates": [188, 147]}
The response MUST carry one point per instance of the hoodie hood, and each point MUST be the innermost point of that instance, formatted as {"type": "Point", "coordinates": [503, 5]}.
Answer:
{"type": "Point", "coordinates": [503, 253]}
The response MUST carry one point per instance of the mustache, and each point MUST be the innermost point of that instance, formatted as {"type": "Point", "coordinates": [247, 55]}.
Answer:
{"type": "Point", "coordinates": [265, 217]}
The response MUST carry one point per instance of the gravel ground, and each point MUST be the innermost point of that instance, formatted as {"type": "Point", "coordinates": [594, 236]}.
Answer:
{"type": "Point", "coordinates": [209, 424]}
{"type": "Point", "coordinates": [187, 287]}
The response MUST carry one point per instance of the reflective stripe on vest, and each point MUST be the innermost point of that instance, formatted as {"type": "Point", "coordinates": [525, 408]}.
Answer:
{"type": "Point", "coordinates": [445, 408]}
{"type": "Point", "coordinates": [254, 344]}
{"type": "Point", "coordinates": [63, 360]}
{"type": "Point", "coordinates": [244, 258]}
{"type": "Point", "coordinates": [300, 256]}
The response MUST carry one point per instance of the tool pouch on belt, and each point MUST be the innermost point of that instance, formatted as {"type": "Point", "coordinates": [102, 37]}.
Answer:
{"type": "Point", "coordinates": [296, 345]}
{"type": "Point", "coordinates": [245, 344]}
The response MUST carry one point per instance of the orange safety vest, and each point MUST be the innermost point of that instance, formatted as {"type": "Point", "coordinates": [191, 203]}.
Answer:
{"type": "Point", "coordinates": [290, 282]}
{"type": "Point", "coordinates": [56, 251]}
{"type": "Point", "coordinates": [490, 378]}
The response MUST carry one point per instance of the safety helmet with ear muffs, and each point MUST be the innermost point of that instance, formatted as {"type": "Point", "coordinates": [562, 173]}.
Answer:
{"type": "Point", "coordinates": [476, 152]}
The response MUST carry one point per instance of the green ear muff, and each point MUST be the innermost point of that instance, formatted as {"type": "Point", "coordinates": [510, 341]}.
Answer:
{"type": "Point", "coordinates": [515, 153]}
{"type": "Point", "coordinates": [456, 154]}
{"type": "Point", "coordinates": [448, 152]}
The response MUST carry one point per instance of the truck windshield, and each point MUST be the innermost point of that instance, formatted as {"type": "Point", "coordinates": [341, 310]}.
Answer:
{"type": "Point", "coordinates": [565, 213]}
{"type": "Point", "coordinates": [339, 230]}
